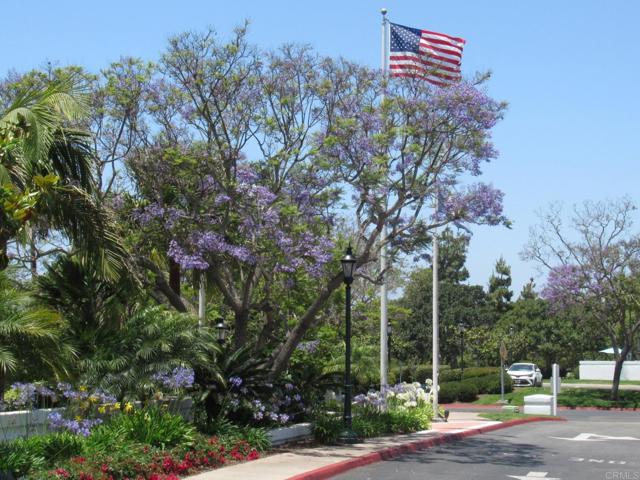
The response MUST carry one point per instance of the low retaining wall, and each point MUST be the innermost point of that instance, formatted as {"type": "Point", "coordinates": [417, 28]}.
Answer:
{"type": "Point", "coordinates": [299, 431]}
{"type": "Point", "coordinates": [27, 423]}
{"type": "Point", "coordinates": [603, 370]}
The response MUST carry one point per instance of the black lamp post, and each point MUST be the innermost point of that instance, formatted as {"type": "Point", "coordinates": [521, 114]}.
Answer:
{"type": "Point", "coordinates": [462, 329]}
{"type": "Point", "coordinates": [348, 265]}
{"type": "Point", "coordinates": [221, 328]}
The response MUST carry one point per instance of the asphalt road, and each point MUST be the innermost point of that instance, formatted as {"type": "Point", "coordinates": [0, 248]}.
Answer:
{"type": "Point", "coordinates": [577, 449]}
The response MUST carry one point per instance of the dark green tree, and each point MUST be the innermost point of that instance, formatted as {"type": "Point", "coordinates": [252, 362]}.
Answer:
{"type": "Point", "coordinates": [458, 303]}
{"type": "Point", "coordinates": [529, 291]}
{"type": "Point", "coordinates": [499, 286]}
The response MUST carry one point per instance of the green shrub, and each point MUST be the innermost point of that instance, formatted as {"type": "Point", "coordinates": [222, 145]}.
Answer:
{"type": "Point", "coordinates": [467, 392]}
{"type": "Point", "coordinates": [473, 372]}
{"type": "Point", "coordinates": [409, 420]}
{"type": "Point", "coordinates": [423, 372]}
{"type": "Point", "coordinates": [148, 426]}
{"type": "Point", "coordinates": [449, 392]}
{"type": "Point", "coordinates": [327, 428]}
{"type": "Point", "coordinates": [367, 426]}
{"type": "Point", "coordinates": [451, 375]}
{"type": "Point", "coordinates": [22, 455]}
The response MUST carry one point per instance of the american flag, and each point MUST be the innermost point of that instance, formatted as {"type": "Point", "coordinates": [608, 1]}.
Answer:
{"type": "Point", "coordinates": [436, 57]}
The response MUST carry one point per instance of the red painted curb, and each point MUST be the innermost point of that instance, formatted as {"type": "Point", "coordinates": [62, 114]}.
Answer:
{"type": "Point", "coordinates": [329, 471]}
{"type": "Point", "coordinates": [468, 406]}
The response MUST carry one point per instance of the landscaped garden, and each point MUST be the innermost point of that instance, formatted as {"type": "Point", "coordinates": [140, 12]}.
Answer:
{"type": "Point", "coordinates": [172, 232]}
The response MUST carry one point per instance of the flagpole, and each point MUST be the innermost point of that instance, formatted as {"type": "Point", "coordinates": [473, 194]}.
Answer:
{"type": "Point", "coordinates": [384, 320]}
{"type": "Point", "coordinates": [435, 362]}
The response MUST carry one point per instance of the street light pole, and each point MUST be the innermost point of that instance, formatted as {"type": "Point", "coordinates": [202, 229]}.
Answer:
{"type": "Point", "coordinates": [348, 435]}
{"type": "Point", "coordinates": [462, 328]}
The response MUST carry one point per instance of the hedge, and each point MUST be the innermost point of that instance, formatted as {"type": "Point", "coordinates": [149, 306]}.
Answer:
{"type": "Point", "coordinates": [467, 390]}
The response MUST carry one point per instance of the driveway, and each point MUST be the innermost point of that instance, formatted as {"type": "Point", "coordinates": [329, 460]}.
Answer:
{"type": "Point", "coordinates": [591, 445]}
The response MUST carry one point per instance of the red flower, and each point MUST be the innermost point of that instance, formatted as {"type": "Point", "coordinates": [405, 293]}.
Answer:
{"type": "Point", "coordinates": [171, 476]}
{"type": "Point", "coordinates": [104, 468]}
{"type": "Point", "coordinates": [168, 464]}
{"type": "Point", "coordinates": [154, 476]}
{"type": "Point", "coordinates": [236, 454]}
{"type": "Point", "coordinates": [213, 440]}
{"type": "Point", "coordinates": [78, 460]}
{"type": "Point", "coordinates": [86, 476]}
{"type": "Point", "coordinates": [253, 455]}
{"type": "Point", "coordinates": [62, 472]}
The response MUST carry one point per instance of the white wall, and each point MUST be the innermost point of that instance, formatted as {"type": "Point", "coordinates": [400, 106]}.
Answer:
{"type": "Point", "coordinates": [603, 370]}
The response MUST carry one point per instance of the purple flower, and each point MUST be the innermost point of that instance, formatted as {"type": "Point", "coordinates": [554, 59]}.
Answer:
{"type": "Point", "coordinates": [235, 381]}
{"type": "Point", "coordinates": [309, 347]}
{"type": "Point", "coordinates": [283, 418]}
{"type": "Point", "coordinates": [26, 394]}
{"type": "Point", "coordinates": [179, 377]}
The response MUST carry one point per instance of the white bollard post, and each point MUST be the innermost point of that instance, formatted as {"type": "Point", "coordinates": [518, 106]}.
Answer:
{"type": "Point", "coordinates": [555, 388]}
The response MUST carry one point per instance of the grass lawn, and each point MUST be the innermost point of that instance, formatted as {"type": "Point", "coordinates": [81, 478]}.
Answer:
{"type": "Point", "coordinates": [576, 397]}
{"type": "Point", "coordinates": [598, 398]}
{"type": "Point", "coordinates": [504, 416]}
{"type": "Point", "coordinates": [516, 397]}
{"type": "Point", "coordinates": [597, 382]}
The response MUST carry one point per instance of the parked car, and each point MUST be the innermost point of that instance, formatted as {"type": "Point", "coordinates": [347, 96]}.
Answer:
{"type": "Point", "coordinates": [525, 374]}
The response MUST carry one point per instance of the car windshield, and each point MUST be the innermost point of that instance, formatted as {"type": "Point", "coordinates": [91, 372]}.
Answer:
{"type": "Point", "coordinates": [521, 367]}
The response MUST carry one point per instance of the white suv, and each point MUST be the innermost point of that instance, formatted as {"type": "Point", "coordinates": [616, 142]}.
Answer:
{"type": "Point", "coordinates": [525, 374]}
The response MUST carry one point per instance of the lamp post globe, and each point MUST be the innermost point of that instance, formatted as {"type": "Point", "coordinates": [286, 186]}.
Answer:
{"type": "Point", "coordinates": [348, 266]}
{"type": "Point", "coordinates": [221, 329]}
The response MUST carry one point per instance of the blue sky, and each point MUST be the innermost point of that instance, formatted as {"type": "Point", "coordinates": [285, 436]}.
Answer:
{"type": "Point", "coordinates": [569, 70]}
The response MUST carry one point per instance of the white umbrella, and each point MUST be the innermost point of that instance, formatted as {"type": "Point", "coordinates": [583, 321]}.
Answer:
{"type": "Point", "coordinates": [609, 350]}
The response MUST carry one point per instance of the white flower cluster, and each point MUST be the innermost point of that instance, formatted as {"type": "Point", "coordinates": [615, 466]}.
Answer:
{"type": "Point", "coordinates": [401, 396]}
{"type": "Point", "coordinates": [409, 395]}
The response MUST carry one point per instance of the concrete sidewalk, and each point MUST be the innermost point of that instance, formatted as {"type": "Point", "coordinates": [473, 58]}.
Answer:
{"type": "Point", "coordinates": [595, 386]}
{"type": "Point", "coordinates": [296, 462]}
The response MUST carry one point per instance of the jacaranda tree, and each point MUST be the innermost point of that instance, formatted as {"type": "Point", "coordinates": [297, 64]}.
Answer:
{"type": "Point", "coordinates": [594, 266]}
{"type": "Point", "coordinates": [256, 168]}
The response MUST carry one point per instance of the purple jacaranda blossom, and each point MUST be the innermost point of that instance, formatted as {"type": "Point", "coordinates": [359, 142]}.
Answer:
{"type": "Point", "coordinates": [309, 347]}
{"type": "Point", "coordinates": [565, 285]}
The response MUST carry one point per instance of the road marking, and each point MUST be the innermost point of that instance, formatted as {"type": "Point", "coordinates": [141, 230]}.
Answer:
{"type": "Point", "coordinates": [598, 460]}
{"type": "Point", "coordinates": [594, 437]}
{"type": "Point", "coordinates": [531, 475]}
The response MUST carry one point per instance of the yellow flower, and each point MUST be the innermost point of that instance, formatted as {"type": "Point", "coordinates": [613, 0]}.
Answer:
{"type": "Point", "coordinates": [83, 388]}
{"type": "Point", "coordinates": [128, 407]}
{"type": "Point", "coordinates": [78, 418]}
{"type": "Point", "coordinates": [93, 399]}
{"type": "Point", "coordinates": [102, 409]}
{"type": "Point", "coordinates": [116, 405]}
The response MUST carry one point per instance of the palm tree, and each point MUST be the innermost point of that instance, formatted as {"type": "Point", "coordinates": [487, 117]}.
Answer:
{"type": "Point", "coordinates": [151, 341]}
{"type": "Point", "coordinates": [29, 334]}
{"type": "Point", "coordinates": [46, 175]}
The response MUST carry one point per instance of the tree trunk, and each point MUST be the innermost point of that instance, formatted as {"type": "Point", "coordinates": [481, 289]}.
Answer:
{"type": "Point", "coordinates": [4, 258]}
{"type": "Point", "coordinates": [3, 380]}
{"type": "Point", "coordinates": [617, 372]}
{"type": "Point", "coordinates": [174, 277]}
{"type": "Point", "coordinates": [240, 330]}
{"type": "Point", "coordinates": [281, 357]}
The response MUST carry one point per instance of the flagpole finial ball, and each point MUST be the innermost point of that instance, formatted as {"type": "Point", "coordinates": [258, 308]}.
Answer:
{"type": "Point", "coordinates": [383, 11]}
